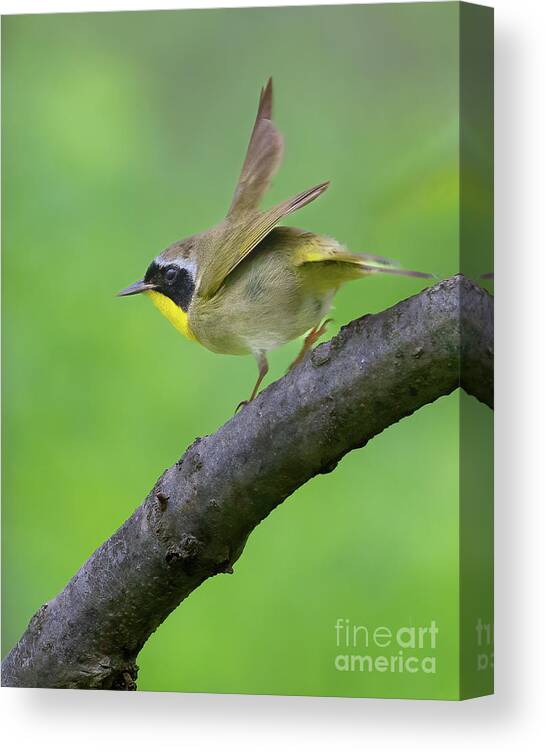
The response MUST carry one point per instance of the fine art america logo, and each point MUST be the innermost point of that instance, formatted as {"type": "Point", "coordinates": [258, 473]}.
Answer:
{"type": "Point", "coordinates": [405, 649]}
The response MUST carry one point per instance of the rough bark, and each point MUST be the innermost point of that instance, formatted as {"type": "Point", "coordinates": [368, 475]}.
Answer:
{"type": "Point", "coordinates": [195, 521]}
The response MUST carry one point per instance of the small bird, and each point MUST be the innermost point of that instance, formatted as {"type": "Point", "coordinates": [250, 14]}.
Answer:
{"type": "Point", "coordinates": [247, 286]}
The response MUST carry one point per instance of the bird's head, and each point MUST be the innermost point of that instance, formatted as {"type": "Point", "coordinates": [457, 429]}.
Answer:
{"type": "Point", "coordinates": [170, 283]}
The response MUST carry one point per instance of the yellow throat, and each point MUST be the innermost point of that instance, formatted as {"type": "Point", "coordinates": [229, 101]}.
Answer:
{"type": "Point", "coordinates": [178, 318]}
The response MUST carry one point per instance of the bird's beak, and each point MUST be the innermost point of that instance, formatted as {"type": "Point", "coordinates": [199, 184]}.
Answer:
{"type": "Point", "coordinates": [135, 288]}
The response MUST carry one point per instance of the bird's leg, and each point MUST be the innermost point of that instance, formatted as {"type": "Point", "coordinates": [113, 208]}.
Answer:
{"type": "Point", "coordinates": [263, 366]}
{"type": "Point", "coordinates": [310, 339]}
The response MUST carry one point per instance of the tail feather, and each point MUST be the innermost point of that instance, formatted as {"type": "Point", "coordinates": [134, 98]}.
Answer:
{"type": "Point", "coordinates": [320, 250]}
{"type": "Point", "coordinates": [378, 264]}
{"type": "Point", "coordinates": [387, 266]}
{"type": "Point", "coordinates": [382, 260]}
{"type": "Point", "coordinates": [401, 272]}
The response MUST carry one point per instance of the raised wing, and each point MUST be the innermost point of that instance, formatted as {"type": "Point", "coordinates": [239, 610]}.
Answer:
{"type": "Point", "coordinates": [262, 159]}
{"type": "Point", "coordinates": [245, 226]}
{"type": "Point", "coordinates": [235, 240]}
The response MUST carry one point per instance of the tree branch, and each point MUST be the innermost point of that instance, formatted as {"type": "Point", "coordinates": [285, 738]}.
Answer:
{"type": "Point", "coordinates": [195, 521]}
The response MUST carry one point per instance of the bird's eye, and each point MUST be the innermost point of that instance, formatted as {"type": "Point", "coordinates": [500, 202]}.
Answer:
{"type": "Point", "coordinates": [170, 274]}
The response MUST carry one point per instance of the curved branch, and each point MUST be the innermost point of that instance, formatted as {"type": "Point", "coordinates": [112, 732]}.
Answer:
{"type": "Point", "coordinates": [195, 521]}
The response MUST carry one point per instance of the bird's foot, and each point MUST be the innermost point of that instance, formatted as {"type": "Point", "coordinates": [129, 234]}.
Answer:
{"type": "Point", "coordinates": [322, 329]}
{"type": "Point", "coordinates": [310, 339]}
{"type": "Point", "coordinates": [263, 369]}
{"type": "Point", "coordinates": [241, 405]}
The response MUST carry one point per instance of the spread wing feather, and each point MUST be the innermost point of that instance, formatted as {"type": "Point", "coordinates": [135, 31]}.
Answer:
{"type": "Point", "coordinates": [237, 239]}
{"type": "Point", "coordinates": [245, 226]}
{"type": "Point", "coordinates": [263, 158]}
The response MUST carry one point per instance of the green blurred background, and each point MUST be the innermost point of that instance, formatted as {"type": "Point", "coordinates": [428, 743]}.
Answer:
{"type": "Point", "coordinates": [123, 132]}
